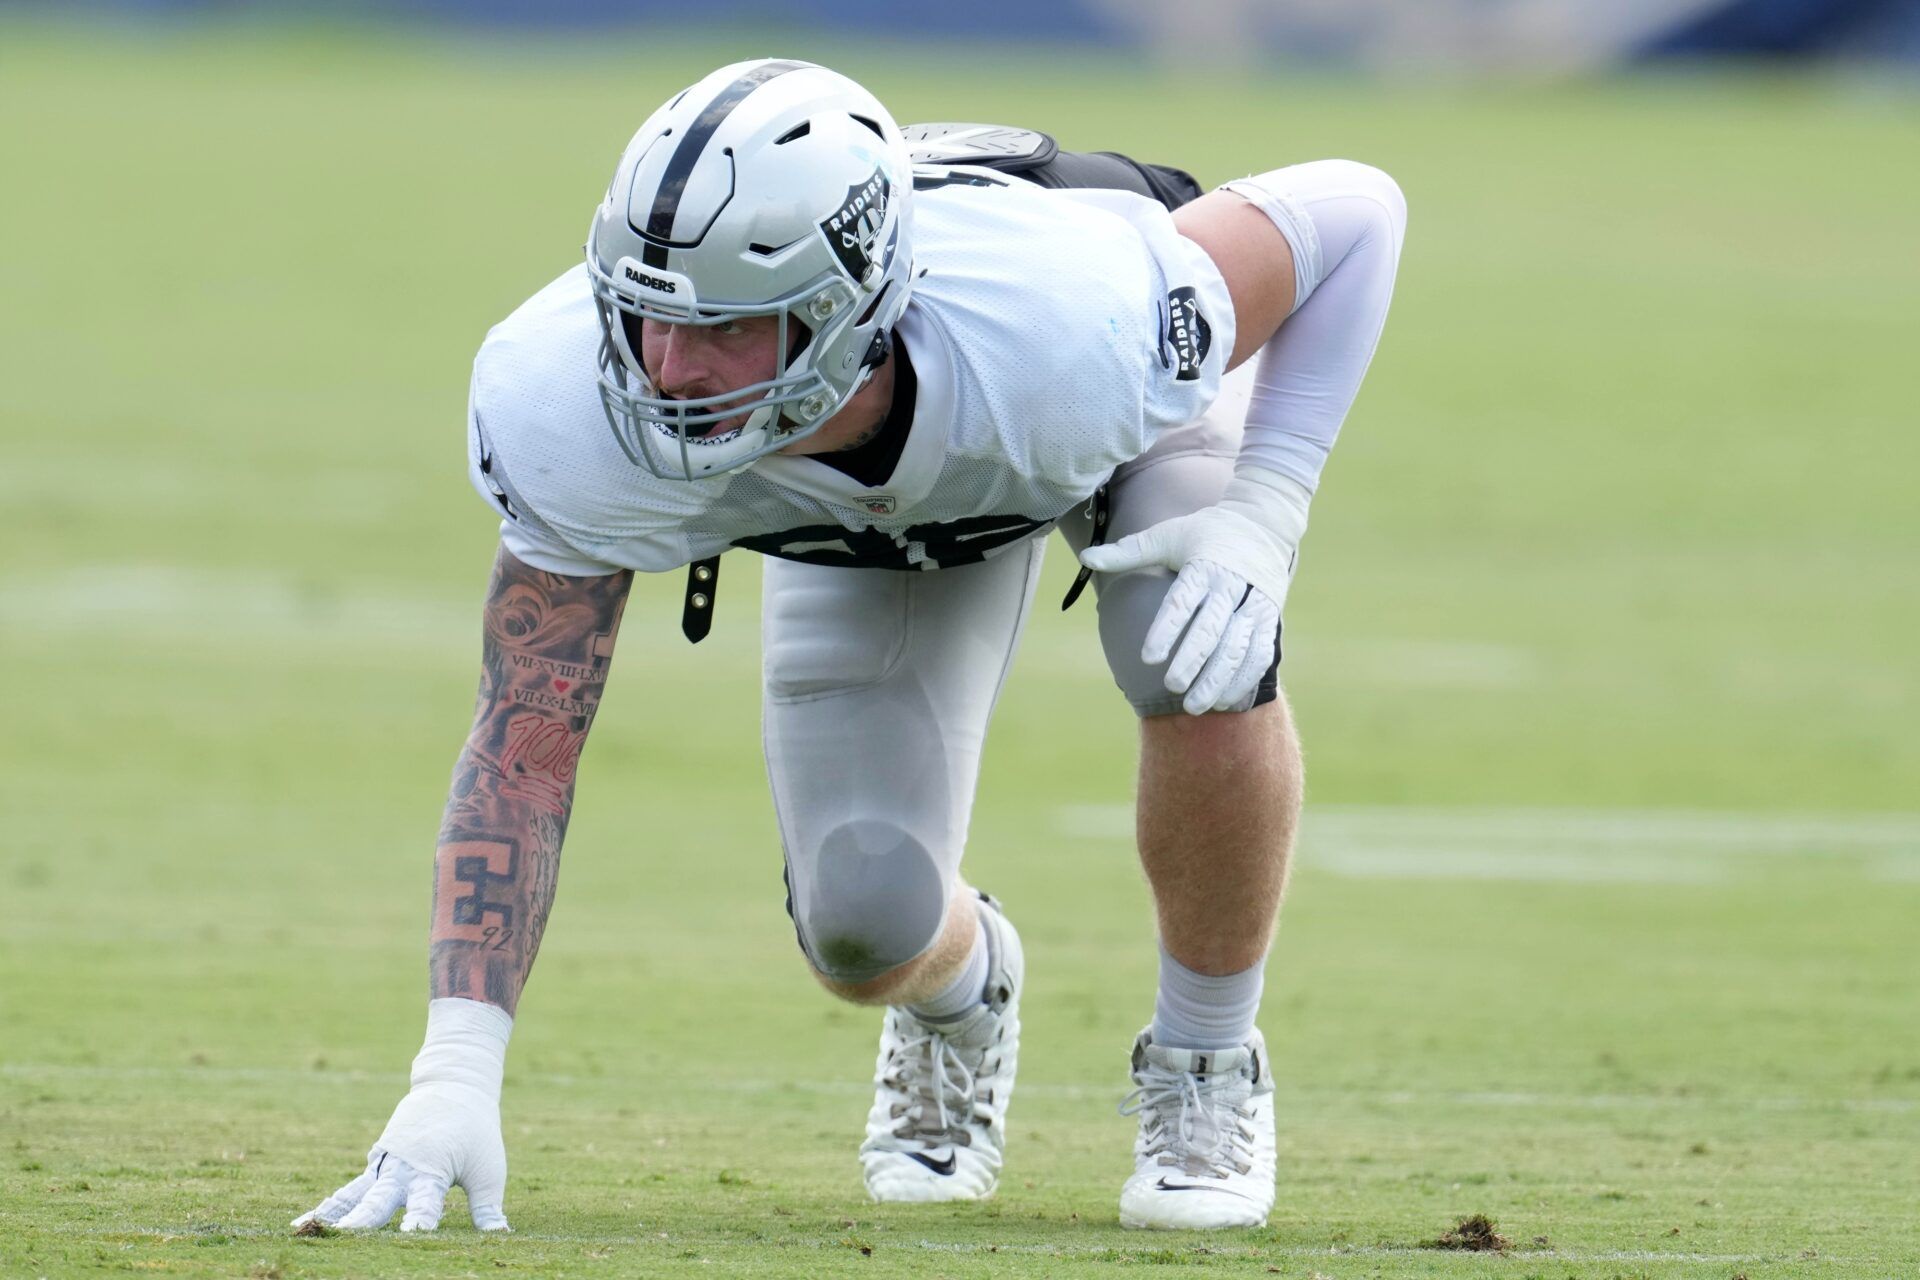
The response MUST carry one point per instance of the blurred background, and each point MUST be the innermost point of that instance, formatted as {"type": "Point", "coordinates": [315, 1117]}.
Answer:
{"type": "Point", "coordinates": [1514, 35]}
{"type": "Point", "coordinates": [1602, 644]}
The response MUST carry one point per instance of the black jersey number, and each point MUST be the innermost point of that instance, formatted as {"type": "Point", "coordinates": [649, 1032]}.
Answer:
{"type": "Point", "coordinates": [952, 542]}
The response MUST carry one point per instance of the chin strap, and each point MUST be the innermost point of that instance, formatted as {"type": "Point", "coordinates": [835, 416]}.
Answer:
{"type": "Point", "coordinates": [696, 615]}
{"type": "Point", "coordinates": [1099, 506]}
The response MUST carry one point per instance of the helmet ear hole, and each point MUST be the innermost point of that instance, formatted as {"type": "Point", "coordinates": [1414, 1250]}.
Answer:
{"type": "Point", "coordinates": [867, 315]}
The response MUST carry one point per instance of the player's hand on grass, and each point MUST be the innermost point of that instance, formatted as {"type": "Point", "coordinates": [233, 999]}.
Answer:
{"type": "Point", "coordinates": [1234, 562]}
{"type": "Point", "coordinates": [369, 1201]}
{"type": "Point", "coordinates": [445, 1133]}
{"type": "Point", "coordinates": [451, 1135]}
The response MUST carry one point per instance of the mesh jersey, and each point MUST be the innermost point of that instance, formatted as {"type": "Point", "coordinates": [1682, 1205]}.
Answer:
{"type": "Point", "coordinates": [1055, 334]}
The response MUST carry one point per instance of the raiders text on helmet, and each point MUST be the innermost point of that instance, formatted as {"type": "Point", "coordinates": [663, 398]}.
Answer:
{"type": "Point", "coordinates": [772, 188]}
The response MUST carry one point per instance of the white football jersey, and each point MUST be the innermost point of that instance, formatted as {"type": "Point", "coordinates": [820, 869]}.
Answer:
{"type": "Point", "coordinates": [1054, 335]}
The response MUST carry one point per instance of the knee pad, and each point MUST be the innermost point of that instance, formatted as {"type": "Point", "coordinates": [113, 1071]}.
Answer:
{"type": "Point", "coordinates": [868, 900]}
{"type": "Point", "coordinates": [1128, 603]}
{"type": "Point", "coordinates": [1187, 469]}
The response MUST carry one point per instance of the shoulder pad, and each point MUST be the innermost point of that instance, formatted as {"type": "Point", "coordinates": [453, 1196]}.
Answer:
{"type": "Point", "coordinates": [931, 177]}
{"type": "Point", "coordinates": [988, 146]}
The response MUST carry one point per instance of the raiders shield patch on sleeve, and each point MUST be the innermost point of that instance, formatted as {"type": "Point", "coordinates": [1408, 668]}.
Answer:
{"type": "Point", "coordinates": [1185, 335]}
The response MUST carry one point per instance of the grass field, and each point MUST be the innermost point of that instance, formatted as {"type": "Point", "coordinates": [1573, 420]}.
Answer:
{"type": "Point", "coordinates": [1603, 652]}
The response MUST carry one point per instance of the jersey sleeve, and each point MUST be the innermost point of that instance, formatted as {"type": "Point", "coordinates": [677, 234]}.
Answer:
{"type": "Point", "coordinates": [522, 532]}
{"type": "Point", "coordinates": [1185, 336]}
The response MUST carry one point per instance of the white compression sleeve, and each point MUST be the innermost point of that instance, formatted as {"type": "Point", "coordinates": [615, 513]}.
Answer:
{"type": "Point", "coordinates": [1345, 222]}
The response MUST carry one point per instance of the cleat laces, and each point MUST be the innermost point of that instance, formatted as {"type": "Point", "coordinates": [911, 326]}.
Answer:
{"type": "Point", "coordinates": [936, 1091]}
{"type": "Point", "coordinates": [1197, 1124]}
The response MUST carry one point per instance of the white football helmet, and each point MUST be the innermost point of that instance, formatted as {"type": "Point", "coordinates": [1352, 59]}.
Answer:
{"type": "Point", "coordinates": [770, 188]}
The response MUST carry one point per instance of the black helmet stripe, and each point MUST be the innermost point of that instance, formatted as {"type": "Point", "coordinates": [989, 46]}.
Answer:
{"type": "Point", "coordinates": [666, 201]}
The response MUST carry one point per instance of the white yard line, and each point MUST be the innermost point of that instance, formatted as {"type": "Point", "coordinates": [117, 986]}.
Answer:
{"type": "Point", "coordinates": [1070, 1092]}
{"type": "Point", "coordinates": [1417, 863]}
{"type": "Point", "coordinates": [1712, 830]}
{"type": "Point", "coordinates": [1717, 830]}
{"type": "Point", "coordinates": [1630, 846]}
{"type": "Point", "coordinates": [171, 600]}
{"type": "Point", "coordinates": [231, 609]}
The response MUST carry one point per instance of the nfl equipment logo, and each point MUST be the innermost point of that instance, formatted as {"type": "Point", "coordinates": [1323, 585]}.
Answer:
{"type": "Point", "coordinates": [880, 505]}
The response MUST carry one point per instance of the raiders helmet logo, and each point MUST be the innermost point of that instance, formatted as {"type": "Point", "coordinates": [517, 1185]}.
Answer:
{"type": "Point", "coordinates": [1185, 335]}
{"type": "Point", "coordinates": [853, 231]}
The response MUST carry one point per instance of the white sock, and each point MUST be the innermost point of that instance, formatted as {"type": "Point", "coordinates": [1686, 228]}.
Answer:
{"type": "Point", "coordinates": [1198, 1011]}
{"type": "Point", "coordinates": [965, 991]}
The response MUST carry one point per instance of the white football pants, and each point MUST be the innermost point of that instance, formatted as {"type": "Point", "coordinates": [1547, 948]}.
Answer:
{"type": "Point", "coordinates": [879, 685]}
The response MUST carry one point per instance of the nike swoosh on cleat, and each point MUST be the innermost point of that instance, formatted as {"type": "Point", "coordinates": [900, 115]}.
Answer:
{"type": "Point", "coordinates": [1164, 1185]}
{"type": "Point", "coordinates": [944, 1167]}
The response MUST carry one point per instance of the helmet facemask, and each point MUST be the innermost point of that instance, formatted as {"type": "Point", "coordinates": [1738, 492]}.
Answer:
{"type": "Point", "coordinates": [678, 437]}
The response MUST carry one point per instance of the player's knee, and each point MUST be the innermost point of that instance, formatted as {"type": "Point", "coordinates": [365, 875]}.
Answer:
{"type": "Point", "coordinates": [1128, 604]}
{"type": "Point", "coordinates": [875, 899]}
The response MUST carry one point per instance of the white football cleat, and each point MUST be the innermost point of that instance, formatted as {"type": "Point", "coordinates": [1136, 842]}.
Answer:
{"type": "Point", "coordinates": [1204, 1155]}
{"type": "Point", "coordinates": [938, 1127]}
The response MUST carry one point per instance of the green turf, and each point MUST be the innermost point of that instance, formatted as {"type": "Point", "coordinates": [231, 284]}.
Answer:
{"type": "Point", "coordinates": [1613, 576]}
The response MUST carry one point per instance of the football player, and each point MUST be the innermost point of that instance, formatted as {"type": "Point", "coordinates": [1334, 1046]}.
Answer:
{"type": "Point", "coordinates": [895, 379]}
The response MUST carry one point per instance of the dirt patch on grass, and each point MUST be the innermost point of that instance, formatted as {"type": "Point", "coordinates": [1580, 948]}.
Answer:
{"type": "Point", "coordinates": [315, 1227]}
{"type": "Point", "coordinates": [1473, 1235]}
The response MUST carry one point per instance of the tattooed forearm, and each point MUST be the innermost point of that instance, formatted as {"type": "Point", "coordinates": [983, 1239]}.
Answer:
{"type": "Point", "coordinates": [549, 640]}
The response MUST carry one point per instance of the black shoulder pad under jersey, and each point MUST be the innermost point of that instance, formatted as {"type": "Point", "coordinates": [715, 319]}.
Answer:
{"type": "Point", "coordinates": [1037, 158]}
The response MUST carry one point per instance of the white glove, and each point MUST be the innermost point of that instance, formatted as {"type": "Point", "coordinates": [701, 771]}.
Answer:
{"type": "Point", "coordinates": [1235, 560]}
{"type": "Point", "coordinates": [444, 1133]}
